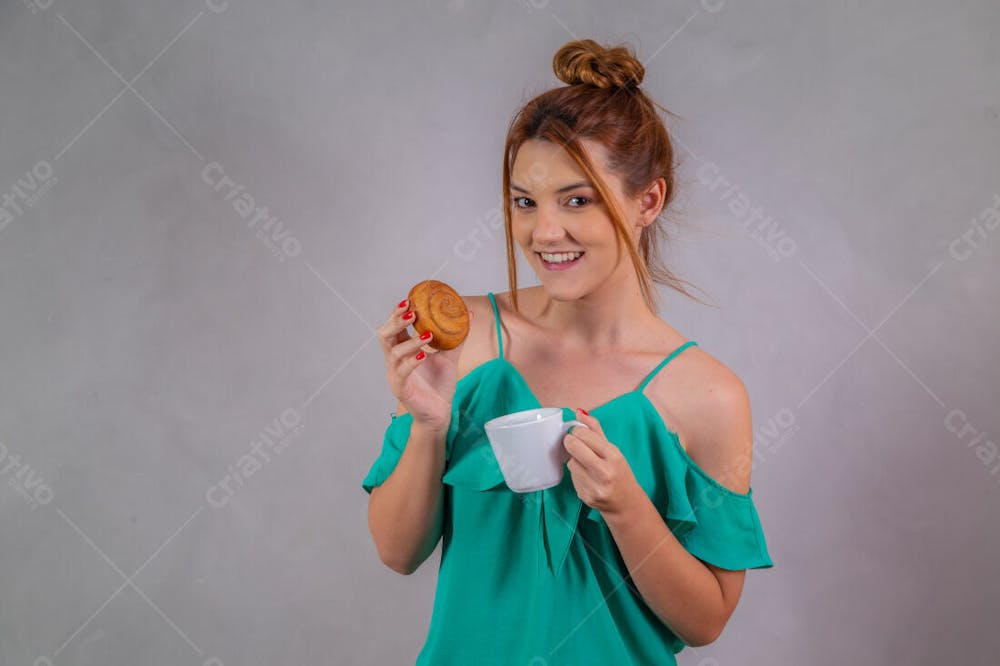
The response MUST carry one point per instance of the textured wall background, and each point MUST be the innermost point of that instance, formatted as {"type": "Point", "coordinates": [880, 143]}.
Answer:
{"type": "Point", "coordinates": [159, 338]}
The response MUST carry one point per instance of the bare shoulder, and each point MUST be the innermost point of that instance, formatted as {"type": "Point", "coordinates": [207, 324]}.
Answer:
{"type": "Point", "coordinates": [480, 346]}
{"type": "Point", "coordinates": [710, 407]}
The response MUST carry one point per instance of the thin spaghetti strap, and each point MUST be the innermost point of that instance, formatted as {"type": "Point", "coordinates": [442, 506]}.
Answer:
{"type": "Point", "coordinates": [496, 316]}
{"type": "Point", "coordinates": [664, 362]}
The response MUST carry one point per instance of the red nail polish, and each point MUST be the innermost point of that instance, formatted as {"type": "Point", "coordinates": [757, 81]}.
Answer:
{"type": "Point", "coordinates": [408, 315]}
{"type": "Point", "coordinates": [425, 335]}
{"type": "Point", "coordinates": [421, 356]}
{"type": "Point", "coordinates": [402, 303]}
{"type": "Point", "coordinates": [585, 411]}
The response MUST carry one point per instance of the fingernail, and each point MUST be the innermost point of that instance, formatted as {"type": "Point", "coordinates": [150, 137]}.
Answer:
{"type": "Point", "coordinates": [425, 335]}
{"type": "Point", "coordinates": [402, 303]}
{"type": "Point", "coordinates": [584, 411]}
{"type": "Point", "coordinates": [421, 356]}
{"type": "Point", "coordinates": [408, 315]}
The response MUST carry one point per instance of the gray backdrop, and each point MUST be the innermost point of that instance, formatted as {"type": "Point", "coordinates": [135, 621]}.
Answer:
{"type": "Point", "coordinates": [208, 208]}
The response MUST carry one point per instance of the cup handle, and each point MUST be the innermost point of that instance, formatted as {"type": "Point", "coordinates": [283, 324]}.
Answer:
{"type": "Point", "coordinates": [564, 454]}
{"type": "Point", "coordinates": [569, 424]}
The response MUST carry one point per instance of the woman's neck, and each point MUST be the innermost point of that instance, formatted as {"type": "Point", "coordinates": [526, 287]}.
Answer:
{"type": "Point", "coordinates": [612, 317]}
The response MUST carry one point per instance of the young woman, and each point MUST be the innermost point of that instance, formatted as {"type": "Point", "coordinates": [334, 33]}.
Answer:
{"type": "Point", "coordinates": [643, 546]}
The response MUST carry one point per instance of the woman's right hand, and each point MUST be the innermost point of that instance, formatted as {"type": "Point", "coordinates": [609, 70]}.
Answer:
{"type": "Point", "coordinates": [424, 386]}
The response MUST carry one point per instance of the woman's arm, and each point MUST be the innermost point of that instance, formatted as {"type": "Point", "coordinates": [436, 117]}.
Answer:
{"type": "Point", "coordinates": [677, 586]}
{"type": "Point", "coordinates": [693, 598]}
{"type": "Point", "coordinates": [405, 512]}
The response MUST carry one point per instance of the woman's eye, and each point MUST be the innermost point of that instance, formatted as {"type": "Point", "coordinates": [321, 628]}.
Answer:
{"type": "Point", "coordinates": [517, 202]}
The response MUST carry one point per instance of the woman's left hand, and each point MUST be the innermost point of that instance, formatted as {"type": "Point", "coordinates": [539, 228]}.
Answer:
{"type": "Point", "coordinates": [601, 475]}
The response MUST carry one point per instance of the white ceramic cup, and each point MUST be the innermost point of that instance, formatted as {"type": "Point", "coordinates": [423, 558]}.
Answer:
{"type": "Point", "coordinates": [528, 445]}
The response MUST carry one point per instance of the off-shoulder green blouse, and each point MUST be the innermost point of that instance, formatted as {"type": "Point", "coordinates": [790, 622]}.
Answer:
{"type": "Point", "coordinates": [535, 579]}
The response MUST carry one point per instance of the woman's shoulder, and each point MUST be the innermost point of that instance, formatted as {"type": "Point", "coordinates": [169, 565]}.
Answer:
{"type": "Point", "coordinates": [708, 406]}
{"type": "Point", "coordinates": [480, 345]}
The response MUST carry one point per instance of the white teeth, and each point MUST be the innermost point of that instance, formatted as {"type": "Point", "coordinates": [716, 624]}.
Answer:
{"type": "Point", "coordinates": [559, 258]}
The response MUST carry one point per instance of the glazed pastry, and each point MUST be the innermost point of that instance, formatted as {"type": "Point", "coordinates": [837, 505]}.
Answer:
{"type": "Point", "coordinates": [440, 310]}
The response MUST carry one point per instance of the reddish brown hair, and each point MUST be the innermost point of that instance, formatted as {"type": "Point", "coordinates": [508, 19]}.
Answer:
{"type": "Point", "coordinates": [602, 102]}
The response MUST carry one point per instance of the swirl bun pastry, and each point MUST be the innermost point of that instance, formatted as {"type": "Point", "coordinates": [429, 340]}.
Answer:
{"type": "Point", "coordinates": [440, 310]}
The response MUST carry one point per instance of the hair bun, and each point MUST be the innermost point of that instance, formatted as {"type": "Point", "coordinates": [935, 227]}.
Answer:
{"type": "Point", "coordinates": [584, 61]}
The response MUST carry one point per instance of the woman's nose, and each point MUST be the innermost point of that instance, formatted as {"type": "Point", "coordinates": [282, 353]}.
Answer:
{"type": "Point", "coordinates": [548, 227]}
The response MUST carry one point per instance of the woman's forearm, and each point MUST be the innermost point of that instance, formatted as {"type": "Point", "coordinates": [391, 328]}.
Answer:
{"type": "Point", "coordinates": [405, 512]}
{"type": "Point", "coordinates": [676, 585]}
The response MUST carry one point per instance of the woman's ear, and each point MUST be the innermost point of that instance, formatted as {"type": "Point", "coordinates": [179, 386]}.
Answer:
{"type": "Point", "coordinates": [652, 201]}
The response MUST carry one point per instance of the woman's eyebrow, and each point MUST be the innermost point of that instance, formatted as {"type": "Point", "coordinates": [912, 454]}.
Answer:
{"type": "Point", "coordinates": [582, 183]}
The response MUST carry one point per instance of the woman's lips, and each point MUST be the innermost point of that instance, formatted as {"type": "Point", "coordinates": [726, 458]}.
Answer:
{"type": "Point", "coordinates": [560, 266]}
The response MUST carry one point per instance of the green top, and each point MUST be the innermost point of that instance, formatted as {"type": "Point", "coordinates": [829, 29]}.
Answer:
{"type": "Point", "coordinates": [536, 578]}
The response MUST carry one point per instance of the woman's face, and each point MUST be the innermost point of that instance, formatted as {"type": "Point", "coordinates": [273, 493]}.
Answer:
{"type": "Point", "coordinates": [554, 209]}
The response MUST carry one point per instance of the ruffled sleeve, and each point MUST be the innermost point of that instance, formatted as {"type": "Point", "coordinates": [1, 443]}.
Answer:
{"type": "Point", "coordinates": [712, 522]}
{"type": "Point", "coordinates": [727, 530]}
{"type": "Point", "coordinates": [483, 393]}
{"type": "Point", "coordinates": [469, 459]}
{"type": "Point", "coordinates": [393, 443]}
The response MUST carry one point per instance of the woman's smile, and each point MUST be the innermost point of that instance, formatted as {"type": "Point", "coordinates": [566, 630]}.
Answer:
{"type": "Point", "coordinates": [565, 264]}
